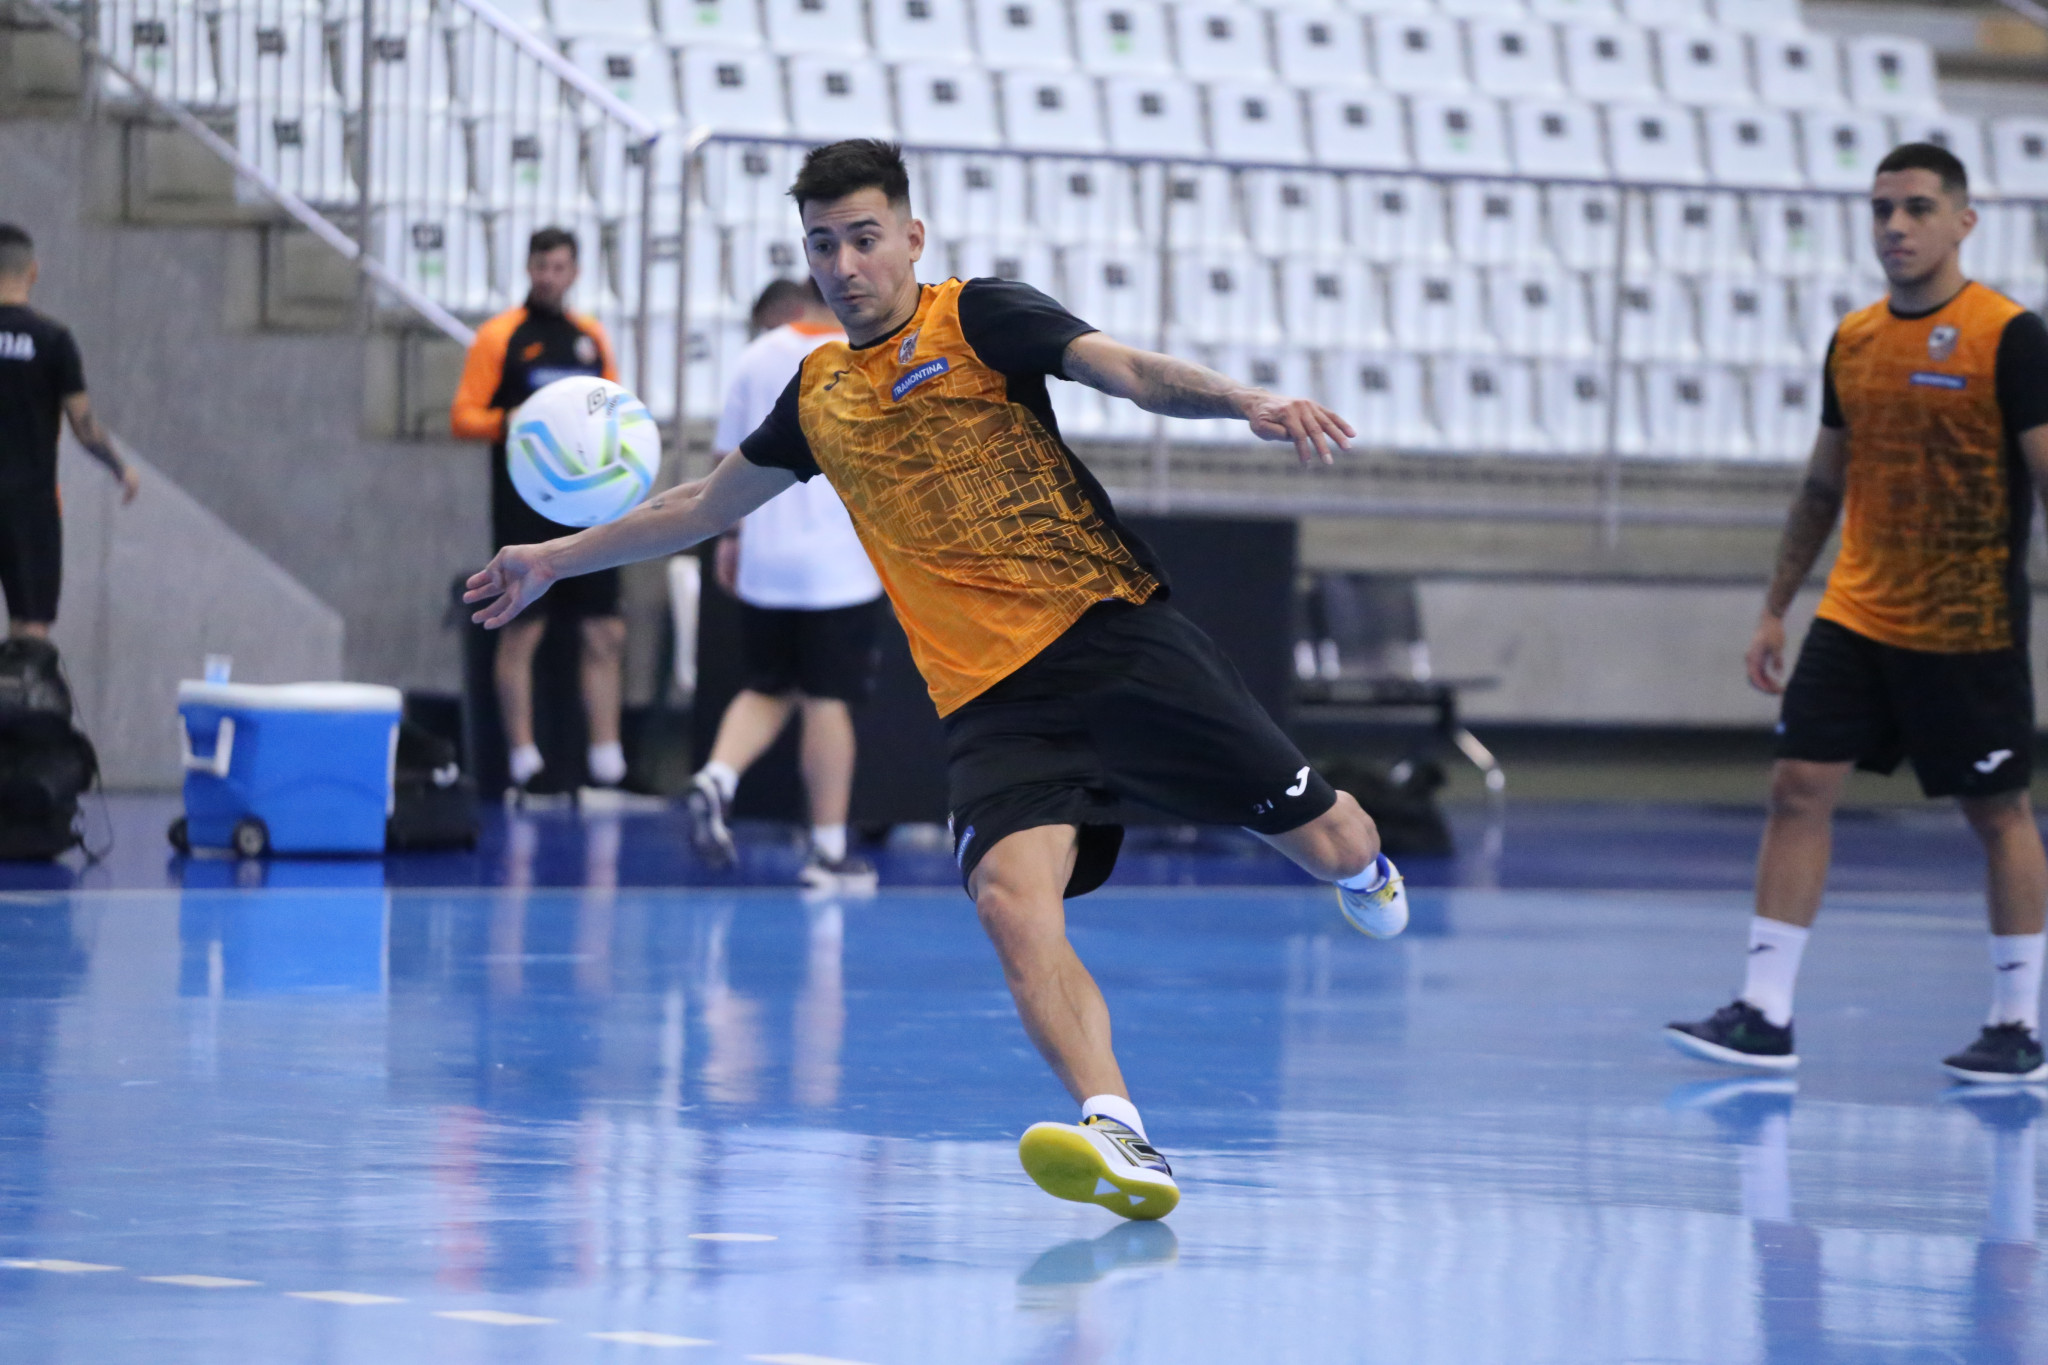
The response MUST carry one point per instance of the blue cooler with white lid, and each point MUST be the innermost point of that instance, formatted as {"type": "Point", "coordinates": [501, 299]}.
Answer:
{"type": "Point", "coordinates": [289, 767]}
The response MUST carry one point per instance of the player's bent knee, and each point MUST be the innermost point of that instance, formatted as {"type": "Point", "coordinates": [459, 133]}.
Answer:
{"type": "Point", "coordinates": [1802, 791]}
{"type": "Point", "coordinates": [1990, 815]}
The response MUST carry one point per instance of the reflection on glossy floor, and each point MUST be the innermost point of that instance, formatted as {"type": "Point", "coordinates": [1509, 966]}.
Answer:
{"type": "Point", "coordinates": [328, 1114]}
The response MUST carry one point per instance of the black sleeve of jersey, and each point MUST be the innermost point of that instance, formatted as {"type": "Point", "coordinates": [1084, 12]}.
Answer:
{"type": "Point", "coordinates": [1015, 329]}
{"type": "Point", "coordinates": [2022, 374]}
{"type": "Point", "coordinates": [778, 443]}
{"type": "Point", "coordinates": [67, 371]}
{"type": "Point", "coordinates": [1830, 404]}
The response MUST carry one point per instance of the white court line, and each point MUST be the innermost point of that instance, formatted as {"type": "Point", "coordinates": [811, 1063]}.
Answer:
{"type": "Point", "coordinates": [491, 1317]}
{"type": "Point", "coordinates": [801, 1359]}
{"type": "Point", "coordinates": [733, 1237]}
{"type": "Point", "coordinates": [59, 1267]}
{"type": "Point", "coordinates": [347, 1298]}
{"type": "Point", "coordinates": [198, 1281]}
{"type": "Point", "coordinates": [649, 1339]}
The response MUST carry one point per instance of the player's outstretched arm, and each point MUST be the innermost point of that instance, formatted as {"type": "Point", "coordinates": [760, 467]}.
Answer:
{"type": "Point", "coordinates": [1807, 528]}
{"type": "Point", "coordinates": [1180, 388]}
{"type": "Point", "coordinates": [672, 520]}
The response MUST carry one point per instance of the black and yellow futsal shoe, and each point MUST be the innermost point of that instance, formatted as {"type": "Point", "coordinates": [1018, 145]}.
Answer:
{"type": "Point", "coordinates": [1099, 1161]}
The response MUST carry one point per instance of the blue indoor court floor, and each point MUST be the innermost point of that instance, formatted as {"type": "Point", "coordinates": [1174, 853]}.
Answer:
{"type": "Point", "coordinates": [562, 1100]}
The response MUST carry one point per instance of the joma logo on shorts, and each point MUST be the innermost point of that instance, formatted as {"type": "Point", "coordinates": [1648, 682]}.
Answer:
{"type": "Point", "coordinates": [17, 346]}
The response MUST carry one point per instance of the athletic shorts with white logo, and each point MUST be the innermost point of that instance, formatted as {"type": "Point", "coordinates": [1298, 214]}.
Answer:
{"type": "Point", "coordinates": [1965, 720]}
{"type": "Point", "coordinates": [1130, 704]}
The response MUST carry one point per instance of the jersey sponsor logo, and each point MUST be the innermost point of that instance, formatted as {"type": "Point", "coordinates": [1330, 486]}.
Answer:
{"type": "Point", "coordinates": [17, 346]}
{"type": "Point", "coordinates": [907, 349]}
{"type": "Point", "coordinates": [532, 351]}
{"type": "Point", "coordinates": [1934, 379]}
{"type": "Point", "coordinates": [837, 375]}
{"type": "Point", "coordinates": [1992, 761]}
{"type": "Point", "coordinates": [586, 350]}
{"type": "Point", "coordinates": [1941, 342]}
{"type": "Point", "coordinates": [931, 369]}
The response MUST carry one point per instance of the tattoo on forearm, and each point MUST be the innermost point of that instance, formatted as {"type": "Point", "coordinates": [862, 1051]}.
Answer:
{"type": "Point", "coordinates": [98, 443]}
{"type": "Point", "coordinates": [1169, 387]}
{"type": "Point", "coordinates": [1807, 528]}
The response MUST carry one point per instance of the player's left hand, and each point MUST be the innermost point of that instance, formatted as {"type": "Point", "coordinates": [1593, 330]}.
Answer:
{"type": "Point", "coordinates": [515, 577]}
{"type": "Point", "coordinates": [131, 484]}
{"type": "Point", "coordinates": [1316, 431]}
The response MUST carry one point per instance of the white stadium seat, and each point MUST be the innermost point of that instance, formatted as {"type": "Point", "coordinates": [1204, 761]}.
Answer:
{"type": "Point", "coordinates": [1752, 148]}
{"type": "Point", "coordinates": [1459, 134]}
{"type": "Point", "coordinates": [1895, 75]}
{"type": "Point", "coordinates": [1116, 289]}
{"type": "Point", "coordinates": [273, 54]}
{"type": "Point", "coordinates": [1961, 134]}
{"type": "Point", "coordinates": [759, 254]}
{"type": "Point", "coordinates": [1280, 368]}
{"type": "Point", "coordinates": [1556, 139]}
{"type": "Point", "coordinates": [1199, 203]}
{"type": "Point", "coordinates": [1397, 218]}
{"type": "Point", "coordinates": [748, 182]}
{"type": "Point", "coordinates": [947, 103]}
{"type": "Point", "coordinates": [1333, 301]}
{"type": "Point", "coordinates": [1697, 230]}
{"type": "Point", "coordinates": [1747, 320]}
{"type": "Point", "coordinates": [1608, 61]}
{"type": "Point", "coordinates": [1418, 53]}
{"type": "Point", "coordinates": [921, 30]}
{"type": "Point", "coordinates": [1655, 143]}
{"type": "Point", "coordinates": [1842, 148]}
{"type": "Point", "coordinates": [1703, 66]}
{"type": "Point", "coordinates": [735, 90]}
{"type": "Point", "coordinates": [1472, 9]}
{"type": "Point", "coordinates": [1051, 111]}
{"type": "Point", "coordinates": [1221, 39]}
{"type": "Point", "coordinates": [1153, 116]}
{"type": "Point", "coordinates": [721, 23]}
{"type": "Point", "coordinates": [1668, 13]}
{"type": "Point", "coordinates": [1695, 412]}
{"type": "Point", "coordinates": [1799, 234]}
{"type": "Point", "coordinates": [2019, 154]}
{"type": "Point", "coordinates": [1438, 308]}
{"type": "Point", "coordinates": [1539, 310]}
{"type": "Point", "coordinates": [1122, 37]}
{"type": "Point", "coordinates": [1358, 130]}
{"type": "Point", "coordinates": [1820, 303]}
{"type": "Point", "coordinates": [1798, 70]}
{"type": "Point", "coordinates": [639, 74]}
{"type": "Point", "coordinates": [1494, 222]}
{"type": "Point", "coordinates": [301, 146]}
{"type": "Point", "coordinates": [833, 97]}
{"type": "Point", "coordinates": [1558, 11]}
{"type": "Point", "coordinates": [629, 19]}
{"type": "Point", "coordinates": [165, 44]}
{"type": "Point", "coordinates": [1376, 6]}
{"type": "Point", "coordinates": [974, 195]}
{"type": "Point", "coordinates": [1572, 397]}
{"type": "Point", "coordinates": [1292, 211]}
{"type": "Point", "coordinates": [1784, 406]}
{"type": "Point", "coordinates": [1760, 16]}
{"type": "Point", "coordinates": [531, 15]}
{"type": "Point", "coordinates": [1009, 258]}
{"type": "Point", "coordinates": [816, 26]}
{"type": "Point", "coordinates": [2005, 248]}
{"type": "Point", "coordinates": [1023, 35]}
{"type": "Point", "coordinates": [410, 68]}
{"type": "Point", "coordinates": [1513, 56]}
{"type": "Point", "coordinates": [1384, 397]}
{"type": "Point", "coordinates": [440, 250]}
{"type": "Point", "coordinates": [528, 163]}
{"type": "Point", "coordinates": [1486, 405]}
{"type": "Point", "coordinates": [1084, 201]}
{"type": "Point", "coordinates": [1585, 227]}
{"type": "Point", "coordinates": [1314, 45]}
{"type": "Point", "coordinates": [1657, 316]}
{"type": "Point", "coordinates": [1256, 121]}
{"type": "Point", "coordinates": [1222, 295]}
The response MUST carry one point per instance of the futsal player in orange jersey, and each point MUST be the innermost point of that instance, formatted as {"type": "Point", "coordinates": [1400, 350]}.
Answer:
{"type": "Point", "coordinates": [1935, 416]}
{"type": "Point", "coordinates": [1066, 682]}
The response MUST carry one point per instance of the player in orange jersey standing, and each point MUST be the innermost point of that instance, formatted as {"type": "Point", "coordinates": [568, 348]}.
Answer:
{"type": "Point", "coordinates": [1934, 438]}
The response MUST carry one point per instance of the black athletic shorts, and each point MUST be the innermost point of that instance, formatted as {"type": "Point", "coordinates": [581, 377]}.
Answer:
{"type": "Point", "coordinates": [31, 554]}
{"type": "Point", "coordinates": [1966, 720]}
{"type": "Point", "coordinates": [514, 523]}
{"type": "Point", "coordinates": [1131, 703]}
{"type": "Point", "coordinates": [830, 653]}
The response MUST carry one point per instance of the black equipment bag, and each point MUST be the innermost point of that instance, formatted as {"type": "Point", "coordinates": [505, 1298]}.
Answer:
{"type": "Point", "coordinates": [434, 803]}
{"type": "Point", "coordinates": [46, 764]}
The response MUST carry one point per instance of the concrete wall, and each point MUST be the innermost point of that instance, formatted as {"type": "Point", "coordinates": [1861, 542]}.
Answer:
{"type": "Point", "coordinates": [151, 589]}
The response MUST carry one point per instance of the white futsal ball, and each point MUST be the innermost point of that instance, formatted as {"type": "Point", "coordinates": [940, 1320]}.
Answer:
{"type": "Point", "coordinates": [582, 451]}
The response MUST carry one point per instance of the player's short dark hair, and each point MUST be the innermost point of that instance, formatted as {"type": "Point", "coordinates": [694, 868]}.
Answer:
{"type": "Point", "coordinates": [782, 298]}
{"type": "Point", "coordinates": [547, 239]}
{"type": "Point", "coordinates": [1927, 156]}
{"type": "Point", "coordinates": [838, 169]}
{"type": "Point", "coordinates": [17, 250]}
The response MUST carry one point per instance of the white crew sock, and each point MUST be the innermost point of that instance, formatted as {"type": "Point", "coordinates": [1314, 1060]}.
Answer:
{"type": "Point", "coordinates": [607, 764]}
{"type": "Point", "coordinates": [2016, 980]}
{"type": "Point", "coordinates": [1372, 878]}
{"type": "Point", "coordinates": [525, 762]}
{"type": "Point", "coordinates": [1114, 1107]}
{"type": "Point", "coordinates": [829, 842]}
{"type": "Point", "coordinates": [1774, 950]}
{"type": "Point", "coordinates": [722, 776]}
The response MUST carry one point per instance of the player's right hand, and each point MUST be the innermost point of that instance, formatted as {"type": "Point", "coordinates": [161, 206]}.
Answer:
{"type": "Point", "coordinates": [515, 577]}
{"type": "Point", "coordinates": [1766, 657]}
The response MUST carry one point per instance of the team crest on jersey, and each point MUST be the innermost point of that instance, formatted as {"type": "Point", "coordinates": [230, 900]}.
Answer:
{"type": "Point", "coordinates": [907, 349]}
{"type": "Point", "coordinates": [1941, 342]}
{"type": "Point", "coordinates": [586, 351]}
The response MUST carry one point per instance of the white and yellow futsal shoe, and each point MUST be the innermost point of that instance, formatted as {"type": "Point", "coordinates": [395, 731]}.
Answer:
{"type": "Point", "coordinates": [1099, 1161]}
{"type": "Point", "coordinates": [1380, 913]}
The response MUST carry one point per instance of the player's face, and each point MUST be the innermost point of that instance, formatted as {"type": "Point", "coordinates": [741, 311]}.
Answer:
{"type": "Point", "coordinates": [551, 273]}
{"type": "Point", "coordinates": [863, 252]}
{"type": "Point", "coordinates": [1916, 225]}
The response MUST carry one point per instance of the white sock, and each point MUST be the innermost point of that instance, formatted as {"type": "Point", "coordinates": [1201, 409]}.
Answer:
{"type": "Point", "coordinates": [1372, 878]}
{"type": "Point", "coordinates": [722, 776]}
{"type": "Point", "coordinates": [829, 841]}
{"type": "Point", "coordinates": [2016, 980]}
{"type": "Point", "coordinates": [607, 764]}
{"type": "Point", "coordinates": [1113, 1107]}
{"type": "Point", "coordinates": [1774, 950]}
{"type": "Point", "coordinates": [525, 762]}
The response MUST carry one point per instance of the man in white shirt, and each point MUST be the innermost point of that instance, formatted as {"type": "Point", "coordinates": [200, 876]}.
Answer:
{"type": "Point", "coordinates": [809, 602]}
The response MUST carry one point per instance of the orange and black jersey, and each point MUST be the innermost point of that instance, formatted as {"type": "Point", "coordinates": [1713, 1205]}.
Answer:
{"type": "Point", "coordinates": [1938, 501]}
{"type": "Point", "coordinates": [989, 535]}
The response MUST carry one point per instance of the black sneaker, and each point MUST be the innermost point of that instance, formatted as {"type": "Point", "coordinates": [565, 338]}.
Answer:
{"type": "Point", "coordinates": [1736, 1035]}
{"type": "Point", "coordinates": [2003, 1054]}
{"type": "Point", "coordinates": [850, 876]}
{"type": "Point", "coordinates": [708, 832]}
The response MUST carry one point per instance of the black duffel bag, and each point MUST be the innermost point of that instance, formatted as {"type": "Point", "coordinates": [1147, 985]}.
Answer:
{"type": "Point", "coordinates": [46, 764]}
{"type": "Point", "coordinates": [433, 800]}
